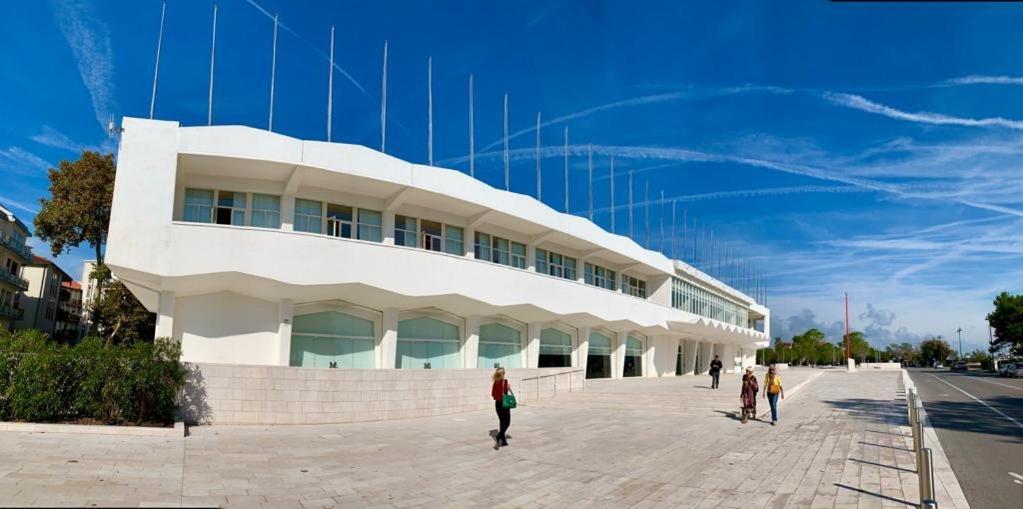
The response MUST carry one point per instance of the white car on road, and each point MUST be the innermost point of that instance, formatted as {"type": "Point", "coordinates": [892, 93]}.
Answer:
{"type": "Point", "coordinates": [1014, 371]}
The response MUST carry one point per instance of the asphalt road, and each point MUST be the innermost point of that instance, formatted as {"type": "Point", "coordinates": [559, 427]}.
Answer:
{"type": "Point", "coordinates": [979, 420]}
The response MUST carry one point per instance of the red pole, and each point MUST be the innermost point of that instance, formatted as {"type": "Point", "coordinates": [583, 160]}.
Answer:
{"type": "Point", "coordinates": [848, 349]}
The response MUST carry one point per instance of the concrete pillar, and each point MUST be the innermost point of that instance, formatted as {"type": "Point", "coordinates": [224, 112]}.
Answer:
{"type": "Point", "coordinates": [749, 357]}
{"type": "Point", "coordinates": [388, 227]}
{"type": "Point", "coordinates": [689, 356]}
{"type": "Point", "coordinates": [728, 361]}
{"type": "Point", "coordinates": [533, 344]}
{"type": "Point", "coordinates": [618, 357]}
{"type": "Point", "coordinates": [581, 349]}
{"type": "Point", "coordinates": [471, 347]}
{"type": "Point", "coordinates": [470, 243]}
{"type": "Point", "coordinates": [286, 313]}
{"type": "Point", "coordinates": [388, 348]}
{"type": "Point", "coordinates": [165, 316]}
{"type": "Point", "coordinates": [288, 212]}
{"type": "Point", "coordinates": [663, 355]}
{"type": "Point", "coordinates": [531, 257]}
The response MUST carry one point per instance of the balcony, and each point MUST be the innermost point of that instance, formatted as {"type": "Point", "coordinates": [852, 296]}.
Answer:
{"type": "Point", "coordinates": [14, 279]}
{"type": "Point", "coordinates": [19, 248]}
{"type": "Point", "coordinates": [11, 312]}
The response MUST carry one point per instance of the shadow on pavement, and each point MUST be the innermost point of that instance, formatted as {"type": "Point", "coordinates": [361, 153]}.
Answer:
{"type": "Point", "coordinates": [878, 495]}
{"type": "Point", "coordinates": [893, 467]}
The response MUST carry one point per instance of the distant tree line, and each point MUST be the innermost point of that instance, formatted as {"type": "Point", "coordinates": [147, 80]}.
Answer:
{"type": "Point", "coordinates": [812, 349]}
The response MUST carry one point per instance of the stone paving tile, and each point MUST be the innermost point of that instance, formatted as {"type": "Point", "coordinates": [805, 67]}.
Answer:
{"type": "Point", "coordinates": [642, 443]}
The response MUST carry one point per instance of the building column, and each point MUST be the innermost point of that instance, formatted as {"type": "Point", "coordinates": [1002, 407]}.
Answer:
{"type": "Point", "coordinates": [663, 356]}
{"type": "Point", "coordinates": [288, 212]}
{"type": "Point", "coordinates": [531, 257]}
{"type": "Point", "coordinates": [689, 356]}
{"type": "Point", "coordinates": [728, 362]}
{"type": "Point", "coordinates": [470, 243]}
{"type": "Point", "coordinates": [388, 348]}
{"type": "Point", "coordinates": [388, 227]}
{"type": "Point", "coordinates": [285, 314]}
{"type": "Point", "coordinates": [582, 348]}
{"type": "Point", "coordinates": [533, 344]}
{"type": "Point", "coordinates": [471, 347]}
{"type": "Point", "coordinates": [618, 355]}
{"type": "Point", "coordinates": [165, 316]}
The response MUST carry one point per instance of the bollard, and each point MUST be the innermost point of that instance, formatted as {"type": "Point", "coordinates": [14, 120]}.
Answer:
{"type": "Point", "coordinates": [911, 406]}
{"type": "Point", "coordinates": [926, 476]}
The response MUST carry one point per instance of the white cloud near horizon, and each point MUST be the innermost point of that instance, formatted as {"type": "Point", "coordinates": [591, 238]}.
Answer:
{"type": "Point", "coordinates": [21, 161]}
{"type": "Point", "coordinates": [89, 39]}
{"type": "Point", "coordinates": [858, 102]}
{"type": "Point", "coordinates": [978, 79]}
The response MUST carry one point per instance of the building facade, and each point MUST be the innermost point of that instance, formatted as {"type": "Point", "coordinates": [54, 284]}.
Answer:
{"type": "Point", "coordinates": [255, 248]}
{"type": "Point", "coordinates": [41, 301]}
{"type": "Point", "coordinates": [14, 255]}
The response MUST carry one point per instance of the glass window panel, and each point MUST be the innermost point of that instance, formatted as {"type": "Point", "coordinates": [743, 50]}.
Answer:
{"type": "Point", "coordinates": [266, 211]}
{"type": "Point", "coordinates": [482, 247]}
{"type": "Point", "coordinates": [308, 216]}
{"type": "Point", "coordinates": [198, 205]}
{"type": "Point", "coordinates": [453, 243]}
{"type": "Point", "coordinates": [370, 228]}
{"type": "Point", "coordinates": [599, 344]}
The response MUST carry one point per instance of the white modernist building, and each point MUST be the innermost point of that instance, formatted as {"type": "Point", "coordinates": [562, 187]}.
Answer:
{"type": "Point", "coordinates": [255, 248]}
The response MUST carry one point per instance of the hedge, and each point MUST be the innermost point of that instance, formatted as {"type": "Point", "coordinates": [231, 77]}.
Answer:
{"type": "Point", "coordinates": [43, 381]}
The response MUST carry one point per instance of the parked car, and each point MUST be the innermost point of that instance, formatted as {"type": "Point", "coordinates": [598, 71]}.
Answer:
{"type": "Point", "coordinates": [959, 366]}
{"type": "Point", "coordinates": [1003, 368]}
{"type": "Point", "coordinates": [1015, 371]}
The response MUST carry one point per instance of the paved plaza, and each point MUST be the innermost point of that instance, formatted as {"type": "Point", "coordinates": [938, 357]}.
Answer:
{"type": "Point", "coordinates": [665, 442]}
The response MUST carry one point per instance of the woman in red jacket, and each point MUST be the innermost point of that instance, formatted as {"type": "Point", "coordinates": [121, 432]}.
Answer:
{"type": "Point", "coordinates": [497, 391]}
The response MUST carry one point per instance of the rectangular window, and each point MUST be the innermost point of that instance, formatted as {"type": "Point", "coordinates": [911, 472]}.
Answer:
{"type": "Point", "coordinates": [541, 261]}
{"type": "Point", "coordinates": [453, 240]}
{"type": "Point", "coordinates": [405, 231]}
{"type": "Point", "coordinates": [482, 246]}
{"type": "Point", "coordinates": [431, 233]}
{"type": "Point", "coordinates": [500, 251]}
{"type": "Point", "coordinates": [308, 216]}
{"type": "Point", "coordinates": [634, 286]}
{"type": "Point", "coordinates": [198, 206]}
{"type": "Point", "coordinates": [599, 276]}
{"type": "Point", "coordinates": [340, 221]}
{"type": "Point", "coordinates": [266, 211]}
{"type": "Point", "coordinates": [230, 208]}
{"type": "Point", "coordinates": [370, 225]}
{"type": "Point", "coordinates": [518, 255]}
{"type": "Point", "coordinates": [555, 264]}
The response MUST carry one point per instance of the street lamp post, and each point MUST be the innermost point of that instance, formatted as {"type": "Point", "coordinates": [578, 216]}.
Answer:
{"type": "Point", "coordinates": [959, 331]}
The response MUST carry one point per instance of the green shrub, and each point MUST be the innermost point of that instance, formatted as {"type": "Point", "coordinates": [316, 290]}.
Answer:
{"type": "Point", "coordinates": [43, 381]}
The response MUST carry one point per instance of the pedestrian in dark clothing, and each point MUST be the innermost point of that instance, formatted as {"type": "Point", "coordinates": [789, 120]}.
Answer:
{"type": "Point", "coordinates": [715, 372]}
{"type": "Point", "coordinates": [748, 395]}
{"type": "Point", "coordinates": [497, 391]}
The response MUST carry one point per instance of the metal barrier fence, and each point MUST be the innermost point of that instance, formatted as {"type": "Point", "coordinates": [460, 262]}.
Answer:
{"type": "Point", "coordinates": [570, 374]}
{"type": "Point", "coordinates": [924, 461]}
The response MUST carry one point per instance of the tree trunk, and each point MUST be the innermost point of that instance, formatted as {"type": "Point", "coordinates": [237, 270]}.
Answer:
{"type": "Point", "coordinates": [94, 328]}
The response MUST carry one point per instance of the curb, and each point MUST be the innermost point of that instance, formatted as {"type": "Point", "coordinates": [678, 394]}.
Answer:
{"type": "Point", "coordinates": [178, 431]}
{"type": "Point", "coordinates": [943, 472]}
{"type": "Point", "coordinates": [795, 389]}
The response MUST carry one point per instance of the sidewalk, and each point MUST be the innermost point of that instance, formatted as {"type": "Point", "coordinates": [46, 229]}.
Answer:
{"type": "Point", "coordinates": [666, 442]}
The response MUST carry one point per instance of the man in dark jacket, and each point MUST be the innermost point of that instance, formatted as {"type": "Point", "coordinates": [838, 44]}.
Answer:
{"type": "Point", "coordinates": [715, 372]}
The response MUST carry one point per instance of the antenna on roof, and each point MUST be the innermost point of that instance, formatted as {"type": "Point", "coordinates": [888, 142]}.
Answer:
{"type": "Point", "coordinates": [612, 193]}
{"type": "Point", "coordinates": [507, 175]}
{"type": "Point", "coordinates": [566, 170]}
{"type": "Point", "coordinates": [472, 134]}
{"type": "Point", "coordinates": [156, 68]}
{"type": "Point", "coordinates": [330, 87]}
{"type": "Point", "coordinates": [213, 58]}
{"type": "Point", "coordinates": [383, 104]}
{"type": "Point", "coordinates": [273, 77]}
{"type": "Point", "coordinates": [429, 109]}
{"type": "Point", "coordinates": [539, 180]}
{"type": "Point", "coordinates": [630, 204]}
{"type": "Point", "coordinates": [589, 166]}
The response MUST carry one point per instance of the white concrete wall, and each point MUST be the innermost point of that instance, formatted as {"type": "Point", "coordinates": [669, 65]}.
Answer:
{"type": "Point", "coordinates": [226, 327]}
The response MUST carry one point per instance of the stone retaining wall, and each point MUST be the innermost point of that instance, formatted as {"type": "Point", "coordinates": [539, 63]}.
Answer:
{"type": "Point", "coordinates": [240, 394]}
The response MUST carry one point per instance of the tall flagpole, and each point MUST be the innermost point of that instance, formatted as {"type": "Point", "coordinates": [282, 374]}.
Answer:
{"type": "Point", "coordinates": [383, 104]}
{"type": "Point", "coordinates": [630, 204]}
{"type": "Point", "coordinates": [566, 170]}
{"type": "Point", "coordinates": [507, 172]}
{"type": "Point", "coordinates": [429, 109]}
{"type": "Point", "coordinates": [472, 133]}
{"type": "Point", "coordinates": [662, 222]}
{"type": "Point", "coordinates": [589, 155]}
{"type": "Point", "coordinates": [273, 77]}
{"type": "Point", "coordinates": [696, 232]}
{"type": "Point", "coordinates": [612, 194]}
{"type": "Point", "coordinates": [330, 88]}
{"type": "Point", "coordinates": [685, 233]}
{"type": "Point", "coordinates": [539, 180]}
{"type": "Point", "coordinates": [673, 231]}
{"type": "Point", "coordinates": [213, 57]}
{"type": "Point", "coordinates": [156, 69]}
{"type": "Point", "coordinates": [646, 214]}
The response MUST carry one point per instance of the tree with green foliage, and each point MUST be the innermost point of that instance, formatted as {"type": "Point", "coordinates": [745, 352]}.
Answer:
{"type": "Point", "coordinates": [1007, 324]}
{"type": "Point", "coordinates": [858, 346]}
{"type": "Point", "coordinates": [78, 211]}
{"type": "Point", "coordinates": [805, 346]}
{"type": "Point", "coordinates": [984, 358]}
{"type": "Point", "coordinates": [122, 318]}
{"type": "Point", "coordinates": [904, 352]}
{"type": "Point", "coordinates": [934, 350]}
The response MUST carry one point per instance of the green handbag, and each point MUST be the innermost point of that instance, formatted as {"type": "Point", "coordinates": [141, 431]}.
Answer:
{"type": "Point", "coordinates": [508, 401]}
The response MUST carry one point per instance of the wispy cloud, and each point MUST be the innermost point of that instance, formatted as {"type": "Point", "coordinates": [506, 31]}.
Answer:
{"type": "Point", "coordinates": [54, 138]}
{"type": "Point", "coordinates": [89, 39]}
{"type": "Point", "coordinates": [27, 207]}
{"type": "Point", "coordinates": [861, 103]}
{"type": "Point", "coordinates": [975, 79]}
{"type": "Point", "coordinates": [19, 160]}
{"type": "Point", "coordinates": [741, 193]}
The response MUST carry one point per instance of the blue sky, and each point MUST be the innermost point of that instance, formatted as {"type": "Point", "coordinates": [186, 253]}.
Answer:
{"type": "Point", "coordinates": [862, 148]}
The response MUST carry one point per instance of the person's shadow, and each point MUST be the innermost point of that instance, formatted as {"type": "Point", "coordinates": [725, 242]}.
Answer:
{"type": "Point", "coordinates": [493, 434]}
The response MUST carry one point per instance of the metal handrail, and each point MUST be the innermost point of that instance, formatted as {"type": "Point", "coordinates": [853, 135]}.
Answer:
{"type": "Point", "coordinates": [538, 377]}
{"type": "Point", "coordinates": [14, 279]}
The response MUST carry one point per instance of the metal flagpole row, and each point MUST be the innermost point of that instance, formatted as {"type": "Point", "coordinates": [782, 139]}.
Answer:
{"type": "Point", "coordinates": [472, 133]}
{"type": "Point", "coordinates": [156, 68]}
{"type": "Point", "coordinates": [213, 58]}
{"type": "Point", "coordinates": [507, 181]}
{"type": "Point", "coordinates": [330, 87]}
{"type": "Point", "coordinates": [589, 156]}
{"type": "Point", "coordinates": [539, 179]}
{"type": "Point", "coordinates": [566, 170]}
{"type": "Point", "coordinates": [273, 77]}
{"type": "Point", "coordinates": [612, 194]}
{"type": "Point", "coordinates": [383, 105]}
{"type": "Point", "coordinates": [429, 110]}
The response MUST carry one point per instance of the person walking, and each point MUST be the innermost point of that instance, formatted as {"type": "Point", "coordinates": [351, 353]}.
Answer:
{"type": "Point", "coordinates": [497, 391]}
{"type": "Point", "coordinates": [715, 372]}
{"type": "Point", "coordinates": [748, 395]}
{"type": "Point", "coordinates": [772, 391]}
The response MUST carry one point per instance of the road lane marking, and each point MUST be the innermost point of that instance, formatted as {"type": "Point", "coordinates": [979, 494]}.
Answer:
{"type": "Point", "coordinates": [1018, 479]}
{"type": "Point", "coordinates": [996, 383]}
{"type": "Point", "coordinates": [982, 402]}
